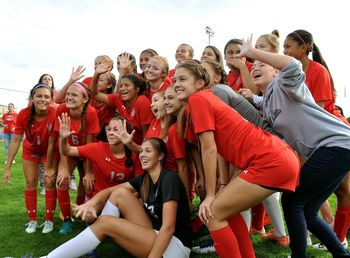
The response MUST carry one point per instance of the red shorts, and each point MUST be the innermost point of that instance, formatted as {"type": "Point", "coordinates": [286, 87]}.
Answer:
{"type": "Point", "coordinates": [280, 172]}
{"type": "Point", "coordinates": [28, 154]}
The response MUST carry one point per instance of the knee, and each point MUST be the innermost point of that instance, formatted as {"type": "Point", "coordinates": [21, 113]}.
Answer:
{"type": "Point", "coordinates": [49, 181]}
{"type": "Point", "coordinates": [120, 195]}
{"type": "Point", "coordinates": [343, 190]}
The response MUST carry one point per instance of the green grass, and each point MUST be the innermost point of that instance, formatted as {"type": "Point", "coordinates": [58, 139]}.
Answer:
{"type": "Point", "coordinates": [15, 242]}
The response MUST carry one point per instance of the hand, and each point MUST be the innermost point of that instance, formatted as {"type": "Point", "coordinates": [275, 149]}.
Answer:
{"type": "Point", "coordinates": [64, 123]}
{"type": "Point", "coordinates": [204, 212]}
{"type": "Point", "coordinates": [247, 47]}
{"type": "Point", "coordinates": [89, 182]}
{"type": "Point", "coordinates": [77, 74]}
{"type": "Point", "coordinates": [246, 93]}
{"type": "Point", "coordinates": [200, 188]}
{"type": "Point", "coordinates": [6, 177]}
{"type": "Point", "coordinates": [104, 67]}
{"type": "Point", "coordinates": [234, 62]}
{"type": "Point", "coordinates": [62, 177]}
{"type": "Point", "coordinates": [124, 63]}
{"type": "Point", "coordinates": [123, 134]}
{"type": "Point", "coordinates": [86, 211]}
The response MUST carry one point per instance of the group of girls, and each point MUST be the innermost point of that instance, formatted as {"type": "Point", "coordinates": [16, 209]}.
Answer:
{"type": "Point", "coordinates": [188, 121]}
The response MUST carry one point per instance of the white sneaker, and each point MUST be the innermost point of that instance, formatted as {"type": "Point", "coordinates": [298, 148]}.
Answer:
{"type": "Point", "coordinates": [31, 226]}
{"type": "Point", "coordinates": [73, 185]}
{"type": "Point", "coordinates": [308, 241]}
{"type": "Point", "coordinates": [321, 246]}
{"type": "Point", "coordinates": [42, 192]}
{"type": "Point", "coordinates": [48, 227]}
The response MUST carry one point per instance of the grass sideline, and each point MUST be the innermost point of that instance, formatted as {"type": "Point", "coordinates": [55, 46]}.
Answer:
{"type": "Point", "coordinates": [16, 243]}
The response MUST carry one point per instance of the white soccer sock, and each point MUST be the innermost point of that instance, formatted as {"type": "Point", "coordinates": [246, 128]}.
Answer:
{"type": "Point", "coordinates": [247, 216]}
{"type": "Point", "coordinates": [83, 243]}
{"type": "Point", "coordinates": [110, 209]}
{"type": "Point", "coordinates": [273, 209]}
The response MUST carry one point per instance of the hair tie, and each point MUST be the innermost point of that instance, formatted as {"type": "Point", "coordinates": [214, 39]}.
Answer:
{"type": "Point", "coordinates": [81, 88]}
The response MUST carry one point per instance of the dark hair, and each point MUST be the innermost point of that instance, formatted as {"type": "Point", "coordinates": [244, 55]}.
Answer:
{"type": "Point", "coordinates": [305, 37]}
{"type": "Point", "coordinates": [32, 108]}
{"type": "Point", "coordinates": [232, 41]}
{"type": "Point", "coordinates": [150, 51]}
{"type": "Point", "coordinates": [196, 70]}
{"type": "Point", "coordinates": [159, 145]}
{"type": "Point", "coordinates": [218, 69]}
{"type": "Point", "coordinates": [133, 62]}
{"type": "Point", "coordinates": [138, 82]}
{"type": "Point", "coordinates": [41, 79]}
{"type": "Point", "coordinates": [218, 56]}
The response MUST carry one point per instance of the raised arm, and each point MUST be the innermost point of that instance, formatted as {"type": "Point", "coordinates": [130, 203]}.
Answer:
{"type": "Point", "coordinates": [75, 76]}
{"type": "Point", "coordinates": [275, 60]}
{"type": "Point", "coordinates": [100, 69]}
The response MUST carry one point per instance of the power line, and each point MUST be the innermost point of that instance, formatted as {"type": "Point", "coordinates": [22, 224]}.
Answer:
{"type": "Point", "coordinates": [20, 91]}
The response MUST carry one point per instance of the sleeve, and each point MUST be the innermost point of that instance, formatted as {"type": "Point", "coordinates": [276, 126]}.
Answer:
{"type": "Point", "coordinates": [176, 143]}
{"type": "Point", "coordinates": [59, 111]}
{"type": "Point", "coordinates": [222, 95]}
{"type": "Point", "coordinates": [291, 79]}
{"type": "Point", "coordinates": [144, 112]}
{"type": "Point", "coordinates": [88, 151]}
{"type": "Point", "coordinates": [321, 88]}
{"type": "Point", "coordinates": [19, 127]}
{"type": "Point", "coordinates": [93, 126]}
{"type": "Point", "coordinates": [171, 187]}
{"type": "Point", "coordinates": [113, 99]}
{"type": "Point", "coordinates": [202, 118]}
{"type": "Point", "coordinates": [136, 183]}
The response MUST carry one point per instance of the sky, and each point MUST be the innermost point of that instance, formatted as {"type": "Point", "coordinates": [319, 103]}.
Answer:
{"type": "Point", "coordinates": [53, 36]}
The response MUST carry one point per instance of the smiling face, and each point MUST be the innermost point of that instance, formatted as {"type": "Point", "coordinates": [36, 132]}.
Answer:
{"type": "Point", "coordinates": [263, 74]}
{"type": "Point", "coordinates": [293, 49]}
{"type": "Point", "coordinates": [231, 51]}
{"type": "Point", "coordinates": [149, 156]}
{"type": "Point", "coordinates": [185, 84]}
{"type": "Point", "coordinates": [157, 105]}
{"type": "Point", "coordinates": [208, 54]}
{"type": "Point", "coordinates": [75, 98]}
{"type": "Point", "coordinates": [171, 104]}
{"type": "Point", "coordinates": [42, 99]}
{"type": "Point", "coordinates": [154, 70]}
{"type": "Point", "coordinates": [144, 58]}
{"type": "Point", "coordinates": [103, 84]}
{"type": "Point", "coordinates": [183, 53]}
{"type": "Point", "coordinates": [127, 90]}
{"type": "Point", "coordinates": [112, 132]}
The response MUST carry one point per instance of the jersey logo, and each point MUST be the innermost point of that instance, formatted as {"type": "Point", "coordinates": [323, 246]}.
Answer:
{"type": "Point", "coordinates": [245, 171]}
{"type": "Point", "coordinates": [133, 112]}
{"type": "Point", "coordinates": [107, 159]}
{"type": "Point", "coordinates": [49, 127]}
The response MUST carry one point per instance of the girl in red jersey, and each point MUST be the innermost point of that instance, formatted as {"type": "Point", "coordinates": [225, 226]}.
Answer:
{"type": "Point", "coordinates": [299, 44]}
{"type": "Point", "coordinates": [128, 102]}
{"type": "Point", "coordinates": [268, 164]}
{"type": "Point", "coordinates": [9, 120]}
{"type": "Point", "coordinates": [37, 123]}
{"type": "Point", "coordinates": [157, 75]}
{"type": "Point", "coordinates": [113, 165]}
{"type": "Point", "coordinates": [84, 123]}
{"type": "Point", "coordinates": [145, 56]}
{"type": "Point", "coordinates": [239, 67]}
{"type": "Point", "coordinates": [183, 52]}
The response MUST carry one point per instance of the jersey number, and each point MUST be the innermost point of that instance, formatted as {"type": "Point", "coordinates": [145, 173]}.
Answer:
{"type": "Point", "coordinates": [119, 176]}
{"type": "Point", "coordinates": [75, 140]}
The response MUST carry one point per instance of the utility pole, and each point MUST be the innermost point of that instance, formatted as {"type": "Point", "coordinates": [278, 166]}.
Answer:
{"type": "Point", "coordinates": [210, 32]}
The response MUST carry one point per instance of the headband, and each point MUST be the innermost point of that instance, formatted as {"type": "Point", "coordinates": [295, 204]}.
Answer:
{"type": "Point", "coordinates": [39, 85]}
{"type": "Point", "coordinates": [300, 37]}
{"type": "Point", "coordinates": [81, 88]}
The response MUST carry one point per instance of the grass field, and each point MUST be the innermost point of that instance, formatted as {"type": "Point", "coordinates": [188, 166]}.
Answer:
{"type": "Point", "coordinates": [16, 243]}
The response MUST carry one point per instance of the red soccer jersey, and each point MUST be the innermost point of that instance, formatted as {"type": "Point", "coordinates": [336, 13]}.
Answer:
{"type": "Point", "coordinates": [237, 140]}
{"type": "Point", "coordinates": [138, 115]}
{"type": "Point", "coordinates": [91, 125]}
{"type": "Point", "coordinates": [235, 82]}
{"type": "Point", "coordinates": [171, 75]}
{"type": "Point", "coordinates": [108, 170]}
{"type": "Point", "coordinates": [104, 112]}
{"type": "Point", "coordinates": [175, 146]}
{"type": "Point", "coordinates": [9, 120]}
{"type": "Point", "coordinates": [320, 86]}
{"type": "Point", "coordinates": [37, 138]}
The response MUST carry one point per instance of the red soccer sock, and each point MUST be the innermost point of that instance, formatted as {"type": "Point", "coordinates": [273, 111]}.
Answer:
{"type": "Point", "coordinates": [225, 243]}
{"type": "Point", "coordinates": [342, 221]}
{"type": "Point", "coordinates": [239, 228]}
{"type": "Point", "coordinates": [30, 197]}
{"type": "Point", "coordinates": [50, 202]}
{"type": "Point", "coordinates": [64, 202]}
{"type": "Point", "coordinates": [258, 214]}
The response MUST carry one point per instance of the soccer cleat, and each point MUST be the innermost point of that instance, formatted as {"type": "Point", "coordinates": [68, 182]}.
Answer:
{"type": "Point", "coordinates": [308, 241]}
{"type": "Point", "coordinates": [321, 246]}
{"type": "Point", "coordinates": [31, 226]}
{"type": "Point", "coordinates": [48, 227]}
{"type": "Point", "coordinates": [257, 231]}
{"type": "Point", "coordinates": [282, 241]}
{"type": "Point", "coordinates": [66, 228]}
{"type": "Point", "coordinates": [91, 254]}
{"type": "Point", "coordinates": [207, 247]}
